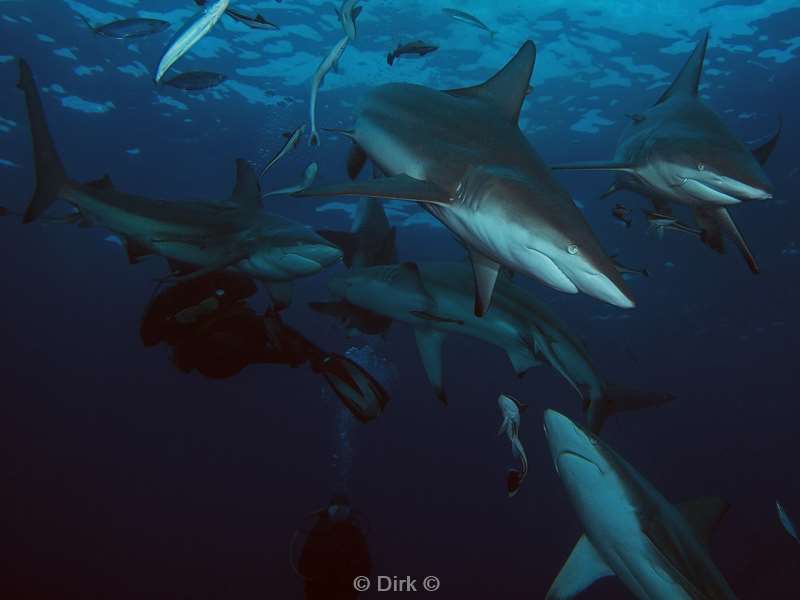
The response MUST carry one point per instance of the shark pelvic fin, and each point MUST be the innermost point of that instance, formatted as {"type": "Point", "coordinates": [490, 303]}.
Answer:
{"type": "Point", "coordinates": [704, 515]}
{"type": "Point", "coordinates": [594, 166]}
{"type": "Point", "coordinates": [583, 567]}
{"type": "Point", "coordinates": [763, 152]}
{"type": "Point", "coordinates": [522, 360]}
{"type": "Point", "coordinates": [507, 88]}
{"type": "Point", "coordinates": [50, 173]}
{"type": "Point", "coordinates": [429, 344]}
{"type": "Point", "coordinates": [486, 271]}
{"type": "Point", "coordinates": [399, 187]}
{"type": "Point", "coordinates": [247, 191]}
{"type": "Point", "coordinates": [688, 80]}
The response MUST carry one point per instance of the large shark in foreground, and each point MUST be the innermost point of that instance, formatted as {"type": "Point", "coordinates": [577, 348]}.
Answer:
{"type": "Point", "coordinates": [196, 237]}
{"type": "Point", "coordinates": [658, 550]}
{"type": "Point", "coordinates": [461, 154]}
{"type": "Point", "coordinates": [437, 299]}
{"type": "Point", "coordinates": [680, 151]}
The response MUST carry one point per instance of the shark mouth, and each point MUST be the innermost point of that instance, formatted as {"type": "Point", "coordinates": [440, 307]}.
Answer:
{"type": "Point", "coordinates": [706, 193]}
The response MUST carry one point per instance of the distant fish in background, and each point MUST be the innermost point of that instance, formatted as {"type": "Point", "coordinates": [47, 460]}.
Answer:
{"type": "Point", "coordinates": [659, 222]}
{"type": "Point", "coordinates": [292, 139]}
{"type": "Point", "coordinates": [622, 213]}
{"type": "Point", "coordinates": [511, 409]}
{"type": "Point", "coordinates": [194, 81]}
{"type": "Point", "coordinates": [348, 14]}
{"type": "Point", "coordinates": [417, 49]}
{"type": "Point", "coordinates": [308, 178]}
{"type": "Point", "coordinates": [464, 17]}
{"type": "Point", "coordinates": [189, 34]}
{"type": "Point", "coordinates": [126, 29]}
{"type": "Point", "coordinates": [786, 521]}
{"type": "Point", "coordinates": [256, 22]}
{"type": "Point", "coordinates": [331, 61]}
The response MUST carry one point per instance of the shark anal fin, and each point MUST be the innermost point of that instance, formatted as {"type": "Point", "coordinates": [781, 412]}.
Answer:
{"type": "Point", "coordinates": [486, 271]}
{"type": "Point", "coordinates": [583, 567]}
{"type": "Point", "coordinates": [688, 80]}
{"type": "Point", "coordinates": [762, 153]}
{"type": "Point", "coordinates": [429, 344]}
{"type": "Point", "coordinates": [355, 161]}
{"type": "Point", "coordinates": [399, 187]}
{"type": "Point", "coordinates": [247, 191]}
{"type": "Point", "coordinates": [346, 242]}
{"type": "Point", "coordinates": [507, 88]}
{"type": "Point", "coordinates": [704, 515]}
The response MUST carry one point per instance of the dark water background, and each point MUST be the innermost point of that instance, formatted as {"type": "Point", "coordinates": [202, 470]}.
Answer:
{"type": "Point", "coordinates": [123, 478]}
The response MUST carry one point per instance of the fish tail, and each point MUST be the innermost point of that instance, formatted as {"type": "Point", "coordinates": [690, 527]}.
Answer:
{"type": "Point", "coordinates": [617, 399]}
{"type": "Point", "coordinates": [313, 139]}
{"type": "Point", "coordinates": [50, 174]}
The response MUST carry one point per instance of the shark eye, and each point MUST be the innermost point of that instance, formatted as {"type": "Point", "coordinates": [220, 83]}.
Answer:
{"type": "Point", "coordinates": [701, 166]}
{"type": "Point", "coordinates": [572, 249]}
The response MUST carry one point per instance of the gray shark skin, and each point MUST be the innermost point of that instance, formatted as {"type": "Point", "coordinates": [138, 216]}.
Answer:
{"type": "Point", "coordinates": [201, 237]}
{"type": "Point", "coordinates": [658, 550]}
{"type": "Point", "coordinates": [460, 154]}
{"type": "Point", "coordinates": [371, 240]}
{"type": "Point", "coordinates": [680, 151]}
{"type": "Point", "coordinates": [436, 299]}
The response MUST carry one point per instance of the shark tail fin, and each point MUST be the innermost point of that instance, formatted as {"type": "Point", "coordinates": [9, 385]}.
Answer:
{"type": "Point", "coordinates": [50, 174]}
{"type": "Point", "coordinates": [617, 399]}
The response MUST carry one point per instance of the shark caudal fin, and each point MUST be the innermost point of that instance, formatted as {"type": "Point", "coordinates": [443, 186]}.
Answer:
{"type": "Point", "coordinates": [688, 80]}
{"type": "Point", "coordinates": [50, 174]}
{"type": "Point", "coordinates": [617, 399]}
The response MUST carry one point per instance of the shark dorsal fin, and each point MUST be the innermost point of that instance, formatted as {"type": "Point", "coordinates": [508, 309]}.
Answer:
{"type": "Point", "coordinates": [762, 153]}
{"type": "Point", "coordinates": [506, 89]}
{"type": "Point", "coordinates": [703, 516]}
{"type": "Point", "coordinates": [688, 80]}
{"type": "Point", "coordinates": [247, 191]}
{"type": "Point", "coordinates": [429, 344]}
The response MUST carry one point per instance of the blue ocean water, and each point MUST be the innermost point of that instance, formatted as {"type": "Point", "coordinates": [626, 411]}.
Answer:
{"type": "Point", "coordinates": [125, 478]}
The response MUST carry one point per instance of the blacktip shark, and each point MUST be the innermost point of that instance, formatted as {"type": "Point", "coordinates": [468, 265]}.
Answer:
{"type": "Point", "coordinates": [347, 14]}
{"type": "Point", "coordinates": [511, 409]}
{"type": "Point", "coordinates": [331, 61]}
{"type": "Point", "coordinates": [290, 143]}
{"type": "Point", "coordinates": [786, 521]}
{"type": "Point", "coordinates": [436, 299]}
{"type": "Point", "coordinates": [680, 151]}
{"type": "Point", "coordinates": [658, 550]}
{"type": "Point", "coordinates": [191, 32]}
{"type": "Point", "coordinates": [196, 237]}
{"type": "Point", "coordinates": [461, 155]}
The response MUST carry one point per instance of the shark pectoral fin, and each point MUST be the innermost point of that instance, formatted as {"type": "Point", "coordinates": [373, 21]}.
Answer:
{"type": "Point", "coordinates": [716, 223]}
{"type": "Point", "coordinates": [763, 152]}
{"type": "Point", "coordinates": [688, 80]}
{"type": "Point", "coordinates": [429, 343]}
{"type": "Point", "coordinates": [507, 88]}
{"type": "Point", "coordinates": [281, 294]}
{"type": "Point", "coordinates": [247, 191]}
{"type": "Point", "coordinates": [344, 240]}
{"type": "Point", "coordinates": [522, 360]}
{"type": "Point", "coordinates": [486, 271]}
{"type": "Point", "coordinates": [594, 166]}
{"type": "Point", "coordinates": [399, 187]}
{"type": "Point", "coordinates": [583, 567]}
{"type": "Point", "coordinates": [704, 515]}
{"type": "Point", "coordinates": [355, 161]}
